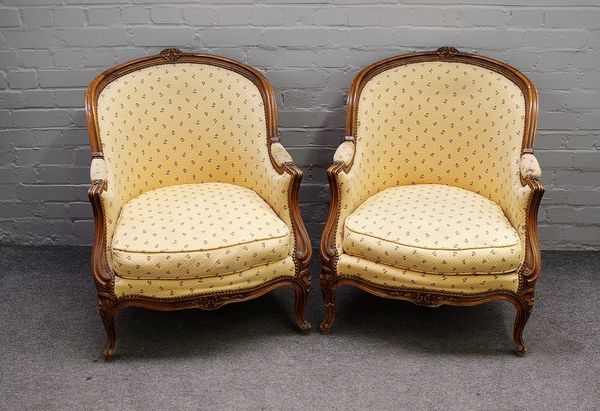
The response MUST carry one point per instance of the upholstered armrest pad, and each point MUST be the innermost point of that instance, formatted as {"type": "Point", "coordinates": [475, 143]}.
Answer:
{"type": "Point", "coordinates": [98, 169]}
{"type": "Point", "coordinates": [344, 153]}
{"type": "Point", "coordinates": [529, 166]}
{"type": "Point", "coordinates": [280, 154]}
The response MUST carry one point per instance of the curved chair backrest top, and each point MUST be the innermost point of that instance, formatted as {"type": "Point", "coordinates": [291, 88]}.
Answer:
{"type": "Point", "coordinates": [442, 117]}
{"type": "Point", "coordinates": [446, 55]}
{"type": "Point", "coordinates": [177, 118]}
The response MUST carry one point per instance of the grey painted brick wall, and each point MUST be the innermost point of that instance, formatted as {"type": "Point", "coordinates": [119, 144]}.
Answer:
{"type": "Point", "coordinates": [310, 50]}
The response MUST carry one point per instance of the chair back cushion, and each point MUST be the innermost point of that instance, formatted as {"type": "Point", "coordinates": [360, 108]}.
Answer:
{"type": "Point", "coordinates": [440, 122]}
{"type": "Point", "coordinates": [182, 123]}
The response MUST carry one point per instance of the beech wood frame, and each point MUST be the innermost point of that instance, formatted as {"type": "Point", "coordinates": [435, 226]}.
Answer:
{"type": "Point", "coordinates": [523, 299]}
{"type": "Point", "coordinates": [103, 276]}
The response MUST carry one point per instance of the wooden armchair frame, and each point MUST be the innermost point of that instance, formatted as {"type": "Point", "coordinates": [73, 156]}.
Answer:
{"type": "Point", "coordinates": [523, 299]}
{"type": "Point", "coordinates": [104, 277]}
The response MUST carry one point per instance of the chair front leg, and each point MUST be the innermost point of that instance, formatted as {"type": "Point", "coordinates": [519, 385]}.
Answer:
{"type": "Point", "coordinates": [108, 312]}
{"type": "Point", "coordinates": [301, 292]}
{"type": "Point", "coordinates": [328, 291]}
{"type": "Point", "coordinates": [523, 308]}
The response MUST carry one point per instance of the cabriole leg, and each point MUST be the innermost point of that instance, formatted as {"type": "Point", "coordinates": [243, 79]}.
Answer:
{"type": "Point", "coordinates": [329, 298]}
{"type": "Point", "coordinates": [108, 311]}
{"type": "Point", "coordinates": [522, 315]}
{"type": "Point", "coordinates": [299, 305]}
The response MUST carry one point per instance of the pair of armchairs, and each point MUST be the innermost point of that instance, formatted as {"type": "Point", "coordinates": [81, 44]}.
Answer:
{"type": "Point", "coordinates": [434, 191]}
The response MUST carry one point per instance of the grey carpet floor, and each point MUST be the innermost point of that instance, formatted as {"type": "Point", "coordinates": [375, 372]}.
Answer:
{"type": "Point", "coordinates": [381, 354]}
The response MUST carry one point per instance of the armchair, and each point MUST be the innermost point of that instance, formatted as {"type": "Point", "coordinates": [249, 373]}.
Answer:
{"type": "Point", "coordinates": [195, 200]}
{"type": "Point", "coordinates": [435, 189]}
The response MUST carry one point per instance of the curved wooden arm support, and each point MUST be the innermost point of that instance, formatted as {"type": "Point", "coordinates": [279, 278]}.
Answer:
{"type": "Point", "coordinates": [342, 162]}
{"type": "Point", "coordinates": [303, 247]}
{"type": "Point", "coordinates": [284, 164]}
{"type": "Point", "coordinates": [327, 245]}
{"type": "Point", "coordinates": [530, 174]}
{"type": "Point", "coordinates": [533, 259]}
{"type": "Point", "coordinates": [100, 271]}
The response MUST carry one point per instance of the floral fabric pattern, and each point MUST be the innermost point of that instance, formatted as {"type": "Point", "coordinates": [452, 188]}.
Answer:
{"type": "Point", "coordinates": [344, 153]}
{"type": "Point", "coordinates": [177, 288]}
{"type": "Point", "coordinates": [433, 228]}
{"type": "Point", "coordinates": [185, 123]}
{"type": "Point", "coordinates": [442, 122]}
{"type": "Point", "coordinates": [388, 276]}
{"type": "Point", "coordinates": [280, 154]}
{"type": "Point", "coordinates": [97, 169]}
{"type": "Point", "coordinates": [195, 231]}
{"type": "Point", "coordinates": [530, 168]}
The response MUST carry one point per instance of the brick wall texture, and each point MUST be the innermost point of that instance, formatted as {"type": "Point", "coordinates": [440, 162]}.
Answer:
{"type": "Point", "coordinates": [310, 50]}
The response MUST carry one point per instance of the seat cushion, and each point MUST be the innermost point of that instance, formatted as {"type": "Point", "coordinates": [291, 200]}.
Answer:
{"type": "Point", "coordinates": [191, 287]}
{"type": "Point", "coordinates": [195, 231]}
{"type": "Point", "coordinates": [393, 277]}
{"type": "Point", "coordinates": [433, 228]}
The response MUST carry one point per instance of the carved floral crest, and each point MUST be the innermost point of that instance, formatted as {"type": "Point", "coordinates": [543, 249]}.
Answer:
{"type": "Point", "coordinates": [446, 52]}
{"type": "Point", "coordinates": [171, 54]}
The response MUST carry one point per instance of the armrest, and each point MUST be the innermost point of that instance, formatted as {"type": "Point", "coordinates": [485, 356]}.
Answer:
{"type": "Point", "coordinates": [282, 193]}
{"type": "Point", "coordinates": [106, 204]}
{"type": "Point", "coordinates": [524, 210]}
{"type": "Point", "coordinates": [98, 169]}
{"type": "Point", "coordinates": [280, 154]}
{"type": "Point", "coordinates": [529, 167]}
{"type": "Point", "coordinates": [100, 271]}
{"type": "Point", "coordinates": [344, 153]}
{"type": "Point", "coordinates": [345, 195]}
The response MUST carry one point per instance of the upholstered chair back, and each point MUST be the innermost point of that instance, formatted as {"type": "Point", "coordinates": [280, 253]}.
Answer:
{"type": "Point", "coordinates": [440, 122]}
{"type": "Point", "coordinates": [182, 123]}
{"type": "Point", "coordinates": [184, 119]}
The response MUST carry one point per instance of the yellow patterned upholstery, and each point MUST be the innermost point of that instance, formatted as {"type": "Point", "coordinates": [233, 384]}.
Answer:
{"type": "Point", "coordinates": [195, 231]}
{"type": "Point", "coordinates": [185, 123]}
{"type": "Point", "coordinates": [387, 276]}
{"type": "Point", "coordinates": [98, 169]}
{"type": "Point", "coordinates": [195, 201]}
{"type": "Point", "coordinates": [170, 288]}
{"type": "Point", "coordinates": [435, 229]}
{"type": "Point", "coordinates": [441, 122]}
{"type": "Point", "coordinates": [431, 201]}
{"type": "Point", "coordinates": [530, 168]}
{"type": "Point", "coordinates": [344, 153]}
{"type": "Point", "coordinates": [280, 154]}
